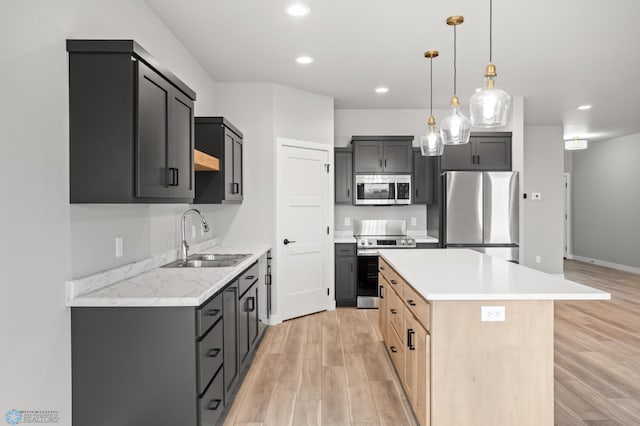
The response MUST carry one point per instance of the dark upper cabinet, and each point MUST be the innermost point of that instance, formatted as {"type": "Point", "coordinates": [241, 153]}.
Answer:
{"type": "Point", "coordinates": [382, 154]}
{"type": "Point", "coordinates": [218, 137]}
{"type": "Point", "coordinates": [422, 180]}
{"type": "Point", "coordinates": [345, 279]}
{"type": "Point", "coordinates": [343, 176]}
{"type": "Point", "coordinates": [485, 151]}
{"type": "Point", "coordinates": [131, 130]}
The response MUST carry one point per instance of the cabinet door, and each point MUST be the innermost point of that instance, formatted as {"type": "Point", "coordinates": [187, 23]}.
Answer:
{"type": "Point", "coordinates": [458, 157]}
{"type": "Point", "coordinates": [368, 156]}
{"type": "Point", "coordinates": [421, 402]}
{"type": "Point", "coordinates": [345, 281]}
{"type": "Point", "coordinates": [243, 327]}
{"type": "Point", "coordinates": [492, 153]}
{"type": "Point", "coordinates": [253, 316]}
{"type": "Point", "coordinates": [397, 157]}
{"type": "Point", "coordinates": [410, 370]}
{"type": "Point", "coordinates": [343, 177]}
{"type": "Point", "coordinates": [229, 187]}
{"type": "Point", "coordinates": [180, 148]}
{"type": "Point", "coordinates": [237, 168]}
{"type": "Point", "coordinates": [153, 133]}
{"type": "Point", "coordinates": [383, 307]}
{"type": "Point", "coordinates": [230, 339]}
{"type": "Point", "coordinates": [421, 178]}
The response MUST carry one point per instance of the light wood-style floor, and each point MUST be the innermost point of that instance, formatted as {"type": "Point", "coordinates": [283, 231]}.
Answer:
{"type": "Point", "coordinates": [597, 350]}
{"type": "Point", "coordinates": [331, 368]}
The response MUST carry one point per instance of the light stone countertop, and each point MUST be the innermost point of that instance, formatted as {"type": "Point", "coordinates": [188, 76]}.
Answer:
{"type": "Point", "coordinates": [163, 286]}
{"type": "Point", "coordinates": [462, 274]}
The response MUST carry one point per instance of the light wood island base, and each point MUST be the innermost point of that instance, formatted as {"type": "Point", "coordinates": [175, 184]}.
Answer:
{"type": "Point", "coordinates": [456, 366]}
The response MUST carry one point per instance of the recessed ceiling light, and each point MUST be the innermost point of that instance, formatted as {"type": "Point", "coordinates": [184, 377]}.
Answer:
{"type": "Point", "coordinates": [382, 89]}
{"type": "Point", "coordinates": [297, 9]}
{"type": "Point", "coordinates": [584, 107]}
{"type": "Point", "coordinates": [304, 60]}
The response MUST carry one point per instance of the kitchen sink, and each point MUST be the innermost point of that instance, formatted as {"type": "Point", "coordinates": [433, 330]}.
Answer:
{"type": "Point", "coordinates": [208, 261]}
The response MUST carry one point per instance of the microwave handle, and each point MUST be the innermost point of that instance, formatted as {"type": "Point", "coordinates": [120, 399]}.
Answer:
{"type": "Point", "coordinates": [392, 188]}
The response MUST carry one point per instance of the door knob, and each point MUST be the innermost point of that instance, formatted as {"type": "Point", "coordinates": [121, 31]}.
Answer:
{"type": "Point", "coordinates": [287, 242]}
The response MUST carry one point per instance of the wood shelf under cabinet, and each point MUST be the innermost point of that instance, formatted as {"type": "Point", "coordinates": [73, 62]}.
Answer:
{"type": "Point", "coordinates": [205, 162]}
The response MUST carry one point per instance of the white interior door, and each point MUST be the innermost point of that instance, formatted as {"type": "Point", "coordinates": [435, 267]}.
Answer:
{"type": "Point", "coordinates": [302, 228]}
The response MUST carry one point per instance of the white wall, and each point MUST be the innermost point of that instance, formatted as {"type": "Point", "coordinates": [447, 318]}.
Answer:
{"type": "Point", "coordinates": [37, 224]}
{"type": "Point", "coordinates": [264, 112]}
{"type": "Point", "coordinates": [606, 203]}
{"type": "Point", "coordinates": [544, 165]}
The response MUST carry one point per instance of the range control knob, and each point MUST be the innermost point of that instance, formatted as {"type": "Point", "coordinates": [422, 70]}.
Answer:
{"type": "Point", "coordinates": [370, 242]}
{"type": "Point", "coordinates": [402, 242]}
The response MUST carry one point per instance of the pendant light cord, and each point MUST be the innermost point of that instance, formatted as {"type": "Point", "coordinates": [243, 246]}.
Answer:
{"type": "Point", "coordinates": [455, 55]}
{"type": "Point", "coordinates": [430, 86]}
{"type": "Point", "coordinates": [490, 31]}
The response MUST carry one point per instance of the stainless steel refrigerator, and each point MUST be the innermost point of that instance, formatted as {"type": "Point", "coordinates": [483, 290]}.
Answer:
{"type": "Point", "coordinates": [480, 211]}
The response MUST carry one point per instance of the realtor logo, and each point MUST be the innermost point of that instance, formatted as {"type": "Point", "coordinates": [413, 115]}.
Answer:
{"type": "Point", "coordinates": [13, 417]}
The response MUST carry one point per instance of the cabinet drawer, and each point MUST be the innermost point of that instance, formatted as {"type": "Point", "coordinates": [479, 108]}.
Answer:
{"type": "Point", "coordinates": [396, 350]}
{"type": "Point", "coordinates": [247, 278]}
{"type": "Point", "coordinates": [397, 283]}
{"type": "Point", "coordinates": [345, 249]}
{"type": "Point", "coordinates": [396, 314]}
{"type": "Point", "coordinates": [209, 356]}
{"type": "Point", "coordinates": [208, 314]}
{"type": "Point", "coordinates": [420, 307]}
{"type": "Point", "coordinates": [211, 405]}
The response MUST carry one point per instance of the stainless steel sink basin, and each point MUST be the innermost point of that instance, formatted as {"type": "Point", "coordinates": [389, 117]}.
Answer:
{"type": "Point", "coordinates": [216, 256]}
{"type": "Point", "coordinates": [208, 261]}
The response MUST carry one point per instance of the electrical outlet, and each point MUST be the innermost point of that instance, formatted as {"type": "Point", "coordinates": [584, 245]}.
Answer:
{"type": "Point", "coordinates": [536, 196]}
{"type": "Point", "coordinates": [538, 259]}
{"type": "Point", "coordinates": [414, 221]}
{"type": "Point", "coordinates": [119, 246]}
{"type": "Point", "coordinates": [347, 221]}
{"type": "Point", "coordinates": [493, 313]}
{"type": "Point", "coordinates": [193, 231]}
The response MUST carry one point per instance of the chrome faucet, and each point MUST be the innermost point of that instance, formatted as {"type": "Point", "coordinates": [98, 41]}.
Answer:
{"type": "Point", "coordinates": [184, 250]}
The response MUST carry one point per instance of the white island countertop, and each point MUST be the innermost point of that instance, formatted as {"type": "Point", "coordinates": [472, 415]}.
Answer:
{"type": "Point", "coordinates": [170, 286]}
{"type": "Point", "coordinates": [461, 274]}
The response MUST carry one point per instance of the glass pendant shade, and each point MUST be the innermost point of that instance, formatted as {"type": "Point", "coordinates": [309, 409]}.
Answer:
{"type": "Point", "coordinates": [431, 142]}
{"type": "Point", "coordinates": [455, 129]}
{"type": "Point", "coordinates": [489, 106]}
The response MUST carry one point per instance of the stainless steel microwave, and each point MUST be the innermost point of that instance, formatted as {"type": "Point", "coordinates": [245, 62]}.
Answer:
{"type": "Point", "coordinates": [383, 189]}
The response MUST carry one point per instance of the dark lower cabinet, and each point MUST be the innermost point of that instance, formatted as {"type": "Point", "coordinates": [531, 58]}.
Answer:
{"type": "Point", "coordinates": [230, 319]}
{"type": "Point", "coordinates": [131, 126]}
{"type": "Point", "coordinates": [163, 366]}
{"type": "Point", "coordinates": [345, 278]}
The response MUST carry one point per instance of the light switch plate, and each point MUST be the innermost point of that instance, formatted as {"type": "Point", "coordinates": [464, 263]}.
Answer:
{"type": "Point", "coordinates": [414, 221]}
{"type": "Point", "coordinates": [493, 313]}
{"type": "Point", "coordinates": [119, 246]}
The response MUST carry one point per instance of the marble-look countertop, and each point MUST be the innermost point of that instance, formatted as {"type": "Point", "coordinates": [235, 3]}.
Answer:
{"type": "Point", "coordinates": [147, 284]}
{"type": "Point", "coordinates": [461, 274]}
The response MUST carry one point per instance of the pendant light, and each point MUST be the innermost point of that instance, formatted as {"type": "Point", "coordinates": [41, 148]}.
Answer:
{"type": "Point", "coordinates": [431, 142]}
{"type": "Point", "coordinates": [490, 105]}
{"type": "Point", "coordinates": [455, 128]}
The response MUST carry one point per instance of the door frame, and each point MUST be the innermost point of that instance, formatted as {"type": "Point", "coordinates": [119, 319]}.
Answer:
{"type": "Point", "coordinates": [568, 252]}
{"type": "Point", "coordinates": [327, 248]}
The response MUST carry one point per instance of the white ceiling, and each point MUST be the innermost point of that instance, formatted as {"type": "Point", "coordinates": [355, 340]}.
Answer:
{"type": "Point", "coordinates": [556, 54]}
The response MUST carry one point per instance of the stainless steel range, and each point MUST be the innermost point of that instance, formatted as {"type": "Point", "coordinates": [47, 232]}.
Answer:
{"type": "Point", "coordinates": [372, 235]}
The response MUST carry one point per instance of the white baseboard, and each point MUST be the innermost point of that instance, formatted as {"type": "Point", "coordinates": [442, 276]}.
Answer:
{"type": "Point", "coordinates": [558, 275]}
{"type": "Point", "coordinates": [599, 262]}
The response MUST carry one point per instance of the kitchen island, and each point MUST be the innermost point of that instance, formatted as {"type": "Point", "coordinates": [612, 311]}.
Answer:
{"type": "Point", "coordinates": [471, 336]}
